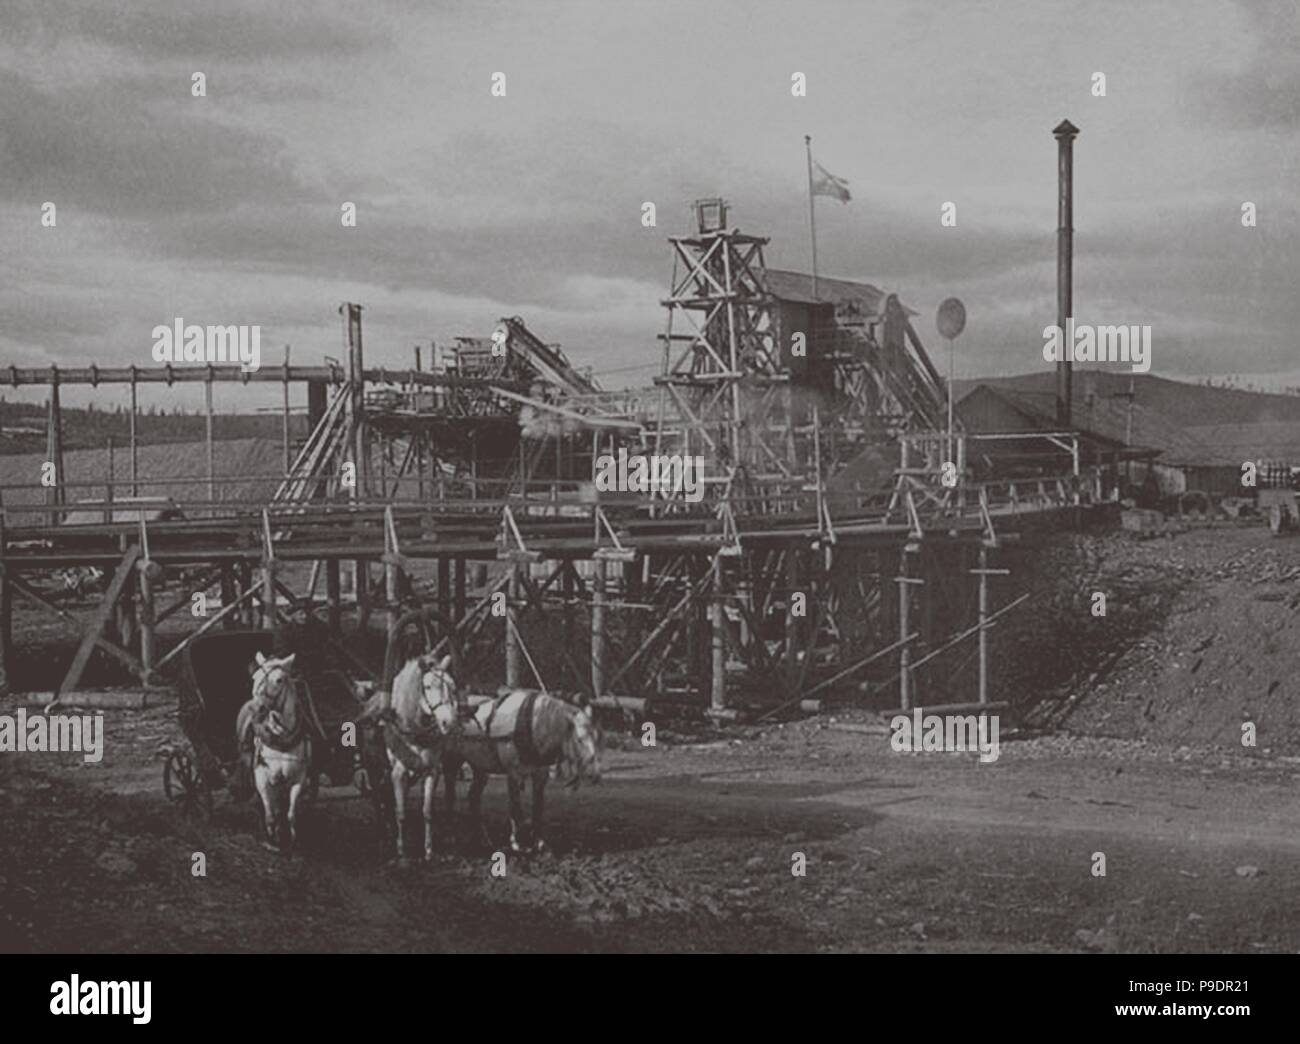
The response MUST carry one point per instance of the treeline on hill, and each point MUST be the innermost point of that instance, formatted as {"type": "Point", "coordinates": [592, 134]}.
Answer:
{"type": "Point", "coordinates": [23, 426]}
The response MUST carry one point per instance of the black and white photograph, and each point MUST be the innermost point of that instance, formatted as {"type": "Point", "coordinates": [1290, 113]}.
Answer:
{"type": "Point", "coordinates": [651, 477]}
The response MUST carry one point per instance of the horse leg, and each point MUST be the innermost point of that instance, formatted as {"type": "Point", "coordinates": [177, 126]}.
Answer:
{"type": "Point", "coordinates": [280, 788]}
{"type": "Point", "coordinates": [266, 794]}
{"type": "Point", "coordinates": [450, 769]}
{"type": "Point", "coordinates": [515, 786]}
{"type": "Point", "coordinates": [430, 785]}
{"type": "Point", "coordinates": [539, 803]}
{"type": "Point", "coordinates": [295, 793]}
{"type": "Point", "coordinates": [399, 805]}
{"type": "Point", "coordinates": [476, 806]}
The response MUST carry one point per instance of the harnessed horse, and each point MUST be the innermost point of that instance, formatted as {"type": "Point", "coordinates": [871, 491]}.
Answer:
{"type": "Point", "coordinates": [275, 724]}
{"type": "Point", "coordinates": [415, 725]}
{"type": "Point", "coordinates": [519, 735]}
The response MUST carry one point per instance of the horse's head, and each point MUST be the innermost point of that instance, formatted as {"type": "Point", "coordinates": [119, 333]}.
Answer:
{"type": "Point", "coordinates": [582, 748]}
{"type": "Point", "coordinates": [439, 691]}
{"type": "Point", "coordinates": [271, 678]}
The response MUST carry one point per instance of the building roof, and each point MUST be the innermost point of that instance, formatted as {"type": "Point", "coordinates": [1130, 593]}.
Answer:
{"type": "Point", "coordinates": [1098, 426]}
{"type": "Point", "coordinates": [865, 299]}
{"type": "Point", "coordinates": [1191, 425]}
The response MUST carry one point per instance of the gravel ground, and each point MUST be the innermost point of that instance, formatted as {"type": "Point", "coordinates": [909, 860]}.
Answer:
{"type": "Point", "coordinates": [690, 845]}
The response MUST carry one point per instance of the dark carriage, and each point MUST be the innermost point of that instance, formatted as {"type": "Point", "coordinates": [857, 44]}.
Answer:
{"type": "Point", "coordinates": [216, 680]}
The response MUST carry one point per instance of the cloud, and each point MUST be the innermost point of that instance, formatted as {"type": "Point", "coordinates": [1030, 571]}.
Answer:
{"type": "Point", "coordinates": [1264, 91]}
{"type": "Point", "coordinates": [245, 31]}
{"type": "Point", "coordinates": [471, 207]}
{"type": "Point", "coordinates": [137, 152]}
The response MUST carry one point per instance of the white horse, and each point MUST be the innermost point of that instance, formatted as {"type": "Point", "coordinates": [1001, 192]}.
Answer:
{"type": "Point", "coordinates": [519, 735]}
{"type": "Point", "coordinates": [415, 723]}
{"type": "Point", "coordinates": [275, 724]}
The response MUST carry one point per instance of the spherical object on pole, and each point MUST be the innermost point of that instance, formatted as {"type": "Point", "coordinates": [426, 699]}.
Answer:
{"type": "Point", "coordinates": [951, 318]}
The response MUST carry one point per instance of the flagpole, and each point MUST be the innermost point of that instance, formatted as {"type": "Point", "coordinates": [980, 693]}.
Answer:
{"type": "Point", "coordinates": [812, 212]}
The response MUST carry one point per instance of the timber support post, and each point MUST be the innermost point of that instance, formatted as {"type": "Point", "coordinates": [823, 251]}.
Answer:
{"type": "Point", "coordinates": [6, 616]}
{"type": "Point", "coordinates": [334, 612]}
{"type": "Point", "coordinates": [268, 575]}
{"type": "Point", "coordinates": [984, 572]}
{"type": "Point", "coordinates": [514, 673]}
{"type": "Point", "coordinates": [717, 612]}
{"type": "Point", "coordinates": [598, 567]}
{"type": "Point", "coordinates": [54, 494]}
{"type": "Point", "coordinates": [146, 570]}
{"type": "Point", "coordinates": [905, 583]}
{"type": "Point", "coordinates": [393, 571]}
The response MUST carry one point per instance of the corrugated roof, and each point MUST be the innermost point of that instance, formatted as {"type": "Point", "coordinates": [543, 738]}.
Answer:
{"type": "Point", "coordinates": [1167, 415]}
{"type": "Point", "coordinates": [1108, 417]}
{"type": "Point", "coordinates": [797, 286]}
{"type": "Point", "coordinates": [1099, 424]}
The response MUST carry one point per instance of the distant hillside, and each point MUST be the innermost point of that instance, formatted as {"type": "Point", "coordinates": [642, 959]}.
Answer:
{"type": "Point", "coordinates": [22, 427]}
{"type": "Point", "coordinates": [247, 470]}
{"type": "Point", "coordinates": [1184, 404]}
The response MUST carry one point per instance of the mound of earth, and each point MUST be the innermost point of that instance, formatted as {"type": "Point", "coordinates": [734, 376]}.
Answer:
{"type": "Point", "coordinates": [1220, 649]}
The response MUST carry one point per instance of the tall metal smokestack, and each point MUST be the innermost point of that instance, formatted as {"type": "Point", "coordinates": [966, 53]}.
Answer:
{"type": "Point", "coordinates": [1064, 133]}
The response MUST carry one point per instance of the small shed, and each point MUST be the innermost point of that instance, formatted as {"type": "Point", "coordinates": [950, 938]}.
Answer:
{"type": "Point", "coordinates": [990, 410]}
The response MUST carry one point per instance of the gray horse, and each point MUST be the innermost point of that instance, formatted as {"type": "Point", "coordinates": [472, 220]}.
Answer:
{"type": "Point", "coordinates": [519, 735]}
{"type": "Point", "coordinates": [428, 727]}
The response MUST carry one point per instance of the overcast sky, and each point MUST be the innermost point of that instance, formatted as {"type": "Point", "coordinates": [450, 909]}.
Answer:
{"type": "Point", "coordinates": [225, 209]}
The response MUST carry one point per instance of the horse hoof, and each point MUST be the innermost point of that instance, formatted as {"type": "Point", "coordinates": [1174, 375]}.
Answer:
{"type": "Point", "coordinates": [539, 847]}
{"type": "Point", "coordinates": [271, 846]}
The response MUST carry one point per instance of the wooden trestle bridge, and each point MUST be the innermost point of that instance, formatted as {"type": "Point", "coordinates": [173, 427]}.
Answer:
{"type": "Point", "coordinates": [789, 596]}
{"type": "Point", "coordinates": [464, 490]}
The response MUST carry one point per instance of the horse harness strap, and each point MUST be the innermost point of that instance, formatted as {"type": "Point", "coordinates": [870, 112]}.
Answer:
{"type": "Point", "coordinates": [267, 724]}
{"type": "Point", "coordinates": [409, 744]}
{"type": "Point", "coordinates": [400, 743]}
{"type": "Point", "coordinates": [524, 740]}
{"type": "Point", "coordinates": [521, 736]}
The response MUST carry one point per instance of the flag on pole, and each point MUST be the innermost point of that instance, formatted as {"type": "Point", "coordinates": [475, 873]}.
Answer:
{"type": "Point", "coordinates": [824, 183]}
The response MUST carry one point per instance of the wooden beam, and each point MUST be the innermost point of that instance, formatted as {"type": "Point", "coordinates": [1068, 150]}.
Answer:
{"type": "Point", "coordinates": [95, 626]}
{"type": "Point", "coordinates": [6, 615]}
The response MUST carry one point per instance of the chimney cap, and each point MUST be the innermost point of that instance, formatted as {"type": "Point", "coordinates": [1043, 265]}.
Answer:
{"type": "Point", "coordinates": [1065, 129]}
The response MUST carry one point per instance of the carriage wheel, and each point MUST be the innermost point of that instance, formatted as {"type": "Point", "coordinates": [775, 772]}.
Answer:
{"type": "Point", "coordinates": [184, 783]}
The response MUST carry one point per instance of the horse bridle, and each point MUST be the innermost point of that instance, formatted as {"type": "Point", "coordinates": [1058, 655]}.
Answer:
{"type": "Point", "coordinates": [448, 687]}
{"type": "Point", "coordinates": [262, 679]}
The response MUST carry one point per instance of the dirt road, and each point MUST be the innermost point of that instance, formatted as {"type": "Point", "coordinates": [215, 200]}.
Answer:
{"type": "Point", "coordinates": [688, 846]}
